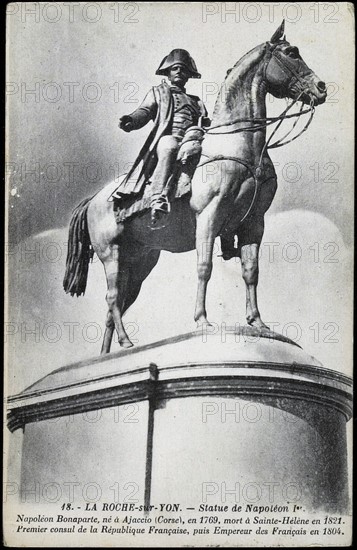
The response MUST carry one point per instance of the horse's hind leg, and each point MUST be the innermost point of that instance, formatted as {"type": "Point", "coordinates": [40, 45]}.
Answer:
{"type": "Point", "coordinates": [117, 281]}
{"type": "Point", "coordinates": [138, 272]}
{"type": "Point", "coordinates": [249, 244]}
{"type": "Point", "coordinates": [250, 272]}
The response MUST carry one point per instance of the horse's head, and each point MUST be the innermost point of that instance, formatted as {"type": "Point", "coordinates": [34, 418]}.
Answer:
{"type": "Point", "coordinates": [287, 75]}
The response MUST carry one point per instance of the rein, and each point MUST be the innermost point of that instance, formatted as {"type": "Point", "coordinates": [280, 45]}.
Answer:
{"type": "Point", "coordinates": [267, 122]}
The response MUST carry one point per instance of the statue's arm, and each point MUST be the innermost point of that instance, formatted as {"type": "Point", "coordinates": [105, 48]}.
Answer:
{"type": "Point", "coordinates": [141, 116]}
{"type": "Point", "coordinates": [206, 121]}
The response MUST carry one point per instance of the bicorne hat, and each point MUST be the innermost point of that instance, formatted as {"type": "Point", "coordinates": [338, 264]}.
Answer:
{"type": "Point", "coordinates": [178, 56]}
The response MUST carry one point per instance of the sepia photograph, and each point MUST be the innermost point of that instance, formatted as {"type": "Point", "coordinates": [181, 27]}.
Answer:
{"type": "Point", "coordinates": [178, 274]}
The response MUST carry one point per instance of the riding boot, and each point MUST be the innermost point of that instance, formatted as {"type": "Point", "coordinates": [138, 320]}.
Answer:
{"type": "Point", "coordinates": [167, 152]}
{"type": "Point", "coordinates": [188, 169]}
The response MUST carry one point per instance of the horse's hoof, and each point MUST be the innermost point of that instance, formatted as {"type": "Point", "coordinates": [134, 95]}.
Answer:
{"type": "Point", "coordinates": [126, 344]}
{"type": "Point", "coordinates": [203, 325]}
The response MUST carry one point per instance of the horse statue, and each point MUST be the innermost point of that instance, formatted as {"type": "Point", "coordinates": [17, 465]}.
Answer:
{"type": "Point", "coordinates": [232, 189]}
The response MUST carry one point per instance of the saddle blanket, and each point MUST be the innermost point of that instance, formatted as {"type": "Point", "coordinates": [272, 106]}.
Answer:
{"type": "Point", "coordinates": [127, 207]}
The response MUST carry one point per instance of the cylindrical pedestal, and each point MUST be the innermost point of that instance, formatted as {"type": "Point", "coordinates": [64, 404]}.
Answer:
{"type": "Point", "coordinates": [242, 417]}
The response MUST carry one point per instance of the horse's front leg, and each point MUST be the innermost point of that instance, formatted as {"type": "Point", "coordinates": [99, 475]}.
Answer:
{"type": "Point", "coordinates": [205, 236]}
{"type": "Point", "coordinates": [250, 273]}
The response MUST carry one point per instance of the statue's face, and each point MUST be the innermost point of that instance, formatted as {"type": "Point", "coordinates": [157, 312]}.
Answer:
{"type": "Point", "coordinates": [178, 75]}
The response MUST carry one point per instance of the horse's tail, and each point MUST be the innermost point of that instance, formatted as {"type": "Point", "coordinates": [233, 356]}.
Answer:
{"type": "Point", "coordinates": [80, 251]}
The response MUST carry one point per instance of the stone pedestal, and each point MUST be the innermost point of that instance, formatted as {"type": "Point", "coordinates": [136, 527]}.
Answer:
{"type": "Point", "coordinates": [239, 417]}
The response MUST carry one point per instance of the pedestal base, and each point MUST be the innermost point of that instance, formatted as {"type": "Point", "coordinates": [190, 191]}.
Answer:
{"type": "Point", "coordinates": [242, 417]}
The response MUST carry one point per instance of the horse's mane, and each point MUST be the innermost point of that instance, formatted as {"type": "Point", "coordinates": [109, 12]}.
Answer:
{"type": "Point", "coordinates": [238, 72]}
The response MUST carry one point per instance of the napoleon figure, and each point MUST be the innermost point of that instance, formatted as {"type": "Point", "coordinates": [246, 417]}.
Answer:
{"type": "Point", "coordinates": [177, 132]}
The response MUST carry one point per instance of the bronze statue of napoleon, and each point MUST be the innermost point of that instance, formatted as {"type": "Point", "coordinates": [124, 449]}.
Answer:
{"type": "Point", "coordinates": [233, 202]}
{"type": "Point", "coordinates": [176, 136]}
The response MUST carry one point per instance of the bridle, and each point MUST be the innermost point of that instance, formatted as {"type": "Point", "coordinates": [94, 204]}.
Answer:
{"type": "Point", "coordinates": [262, 123]}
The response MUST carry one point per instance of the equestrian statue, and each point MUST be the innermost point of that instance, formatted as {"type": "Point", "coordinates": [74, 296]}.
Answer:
{"type": "Point", "coordinates": [191, 190]}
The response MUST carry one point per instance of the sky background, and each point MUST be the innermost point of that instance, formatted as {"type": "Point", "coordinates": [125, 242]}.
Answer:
{"type": "Point", "coordinates": [89, 66]}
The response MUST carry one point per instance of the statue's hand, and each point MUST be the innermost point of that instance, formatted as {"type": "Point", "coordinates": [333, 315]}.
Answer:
{"type": "Point", "coordinates": [126, 123]}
